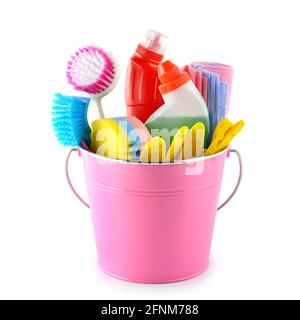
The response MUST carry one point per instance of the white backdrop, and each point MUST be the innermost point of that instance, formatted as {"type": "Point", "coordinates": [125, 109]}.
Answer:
{"type": "Point", "coordinates": [46, 242]}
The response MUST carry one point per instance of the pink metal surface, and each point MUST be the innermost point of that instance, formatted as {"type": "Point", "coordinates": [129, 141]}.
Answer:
{"type": "Point", "coordinates": [153, 223]}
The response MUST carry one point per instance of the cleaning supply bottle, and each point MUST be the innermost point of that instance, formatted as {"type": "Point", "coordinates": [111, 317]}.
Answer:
{"type": "Point", "coordinates": [141, 89]}
{"type": "Point", "coordinates": [184, 105]}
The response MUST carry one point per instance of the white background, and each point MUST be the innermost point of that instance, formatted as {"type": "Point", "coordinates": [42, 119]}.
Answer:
{"type": "Point", "coordinates": [46, 240]}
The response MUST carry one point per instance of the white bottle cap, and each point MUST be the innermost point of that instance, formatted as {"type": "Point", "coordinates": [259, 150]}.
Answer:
{"type": "Point", "coordinates": [155, 41]}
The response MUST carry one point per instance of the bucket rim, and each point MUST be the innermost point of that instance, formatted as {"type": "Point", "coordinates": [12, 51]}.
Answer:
{"type": "Point", "coordinates": [187, 161]}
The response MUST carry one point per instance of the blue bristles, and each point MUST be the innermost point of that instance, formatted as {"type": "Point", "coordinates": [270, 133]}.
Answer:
{"type": "Point", "coordinates": [69, 120]}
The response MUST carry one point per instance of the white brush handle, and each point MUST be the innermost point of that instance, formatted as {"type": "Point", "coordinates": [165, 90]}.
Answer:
{"type": "Point", "coordinates": [97, 101]}
{"type": "Point", "coordinates": [97, 98]}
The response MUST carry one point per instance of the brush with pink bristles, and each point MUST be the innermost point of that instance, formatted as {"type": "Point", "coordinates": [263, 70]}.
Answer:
{"type": "Point", "coordinates": [92, 70]}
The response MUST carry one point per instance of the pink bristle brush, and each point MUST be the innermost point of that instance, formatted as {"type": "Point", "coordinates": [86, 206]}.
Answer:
{"type": "Point", "coordinates": [92, 70]}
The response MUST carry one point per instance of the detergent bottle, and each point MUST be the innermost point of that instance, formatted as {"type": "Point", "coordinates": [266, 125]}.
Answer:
{"type": "Point", "coordinates": [184, 105]}
{"type": "Point", "coordinates": [142, 96]}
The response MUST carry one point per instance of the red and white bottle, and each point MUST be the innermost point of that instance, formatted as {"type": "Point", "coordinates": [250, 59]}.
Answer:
{"type": "Point", "coordinates": [142, 95]}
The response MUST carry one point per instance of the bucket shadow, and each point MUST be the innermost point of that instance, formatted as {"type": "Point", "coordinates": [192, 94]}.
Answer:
{"type": "Point", "coordinates": [163, 289]}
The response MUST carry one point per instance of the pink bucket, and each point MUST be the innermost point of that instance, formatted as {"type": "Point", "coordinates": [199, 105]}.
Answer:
{"type": "Point", "coordinates": [153, 223]}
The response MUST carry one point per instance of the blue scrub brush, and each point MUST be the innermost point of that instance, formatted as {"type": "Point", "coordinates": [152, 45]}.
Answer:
{"type": "Point", "coordinates": [69, 120]}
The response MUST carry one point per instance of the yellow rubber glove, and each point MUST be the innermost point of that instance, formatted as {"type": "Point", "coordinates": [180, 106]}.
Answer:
{"type": "Point", "coordinates": [229, 135]}
{"type": "Point", "coordinates": [218, 135]}
{"type": "Point", "coordinates": [186, 144]}
{"type": "Point", "coordinates": [176, 147]}
{"type": "Point", "coordinates": [193, 145]}
{"type": "Point", "coordinates": [154, 151]}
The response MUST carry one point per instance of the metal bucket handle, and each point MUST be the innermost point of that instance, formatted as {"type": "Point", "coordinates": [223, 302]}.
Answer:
{"type": "Point", "coordinates": [220, 207]}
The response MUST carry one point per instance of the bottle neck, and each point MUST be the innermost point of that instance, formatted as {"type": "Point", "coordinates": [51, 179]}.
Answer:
{"type": "Point", "coordinates": [149, 54]}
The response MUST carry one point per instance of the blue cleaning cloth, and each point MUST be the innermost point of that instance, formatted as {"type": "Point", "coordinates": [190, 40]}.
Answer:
{"type": "Point", "coordinates": [216, 99]}
{"type": "Point", "coordinates": [212, 89]}
{"type": "Point", "coordinates": [222, 100]}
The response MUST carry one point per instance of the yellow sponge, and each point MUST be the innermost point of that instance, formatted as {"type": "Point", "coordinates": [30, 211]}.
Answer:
{"type": "Point", "coordinates": [109, 139]}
